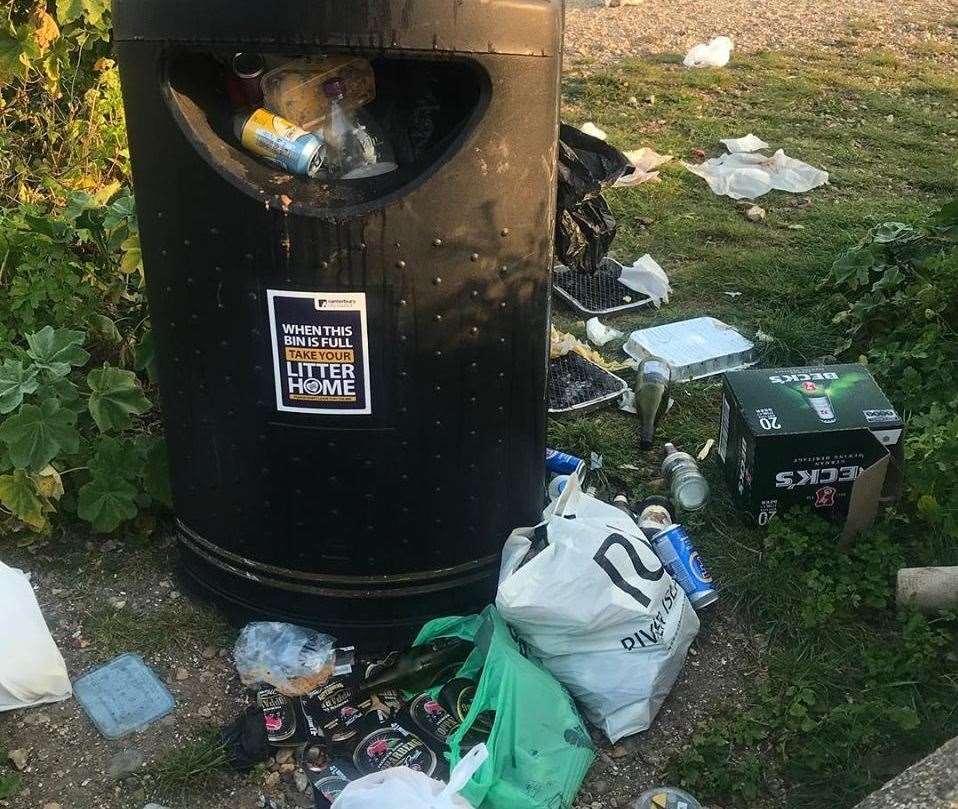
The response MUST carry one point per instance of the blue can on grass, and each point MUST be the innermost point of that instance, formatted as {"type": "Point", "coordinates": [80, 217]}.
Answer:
{"type": "Point", "coordinates": [561, 463]}
{"type": "Point", "coordinates": [678, 555]}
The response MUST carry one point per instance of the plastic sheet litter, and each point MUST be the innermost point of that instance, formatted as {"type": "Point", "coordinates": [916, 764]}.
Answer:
{"type": "Point", "coordinates": [591, 129]}
{"type": "Point", "coordinates": [293, 659]}
{"type": "Point", "coordinates": [32, 671]}
{"type": "Point", "coordinates": [644, 162]}
{"type": "Point", "coordinates": [750, 143]}
{"type": "Point", "coordinates": [599, 333]}
{"type": "Point", "coordinates": [404, 788]}
{"type": "Point", "coordinates": [696, 348]}
{"type": "Point", "coordinates": [750, 175]}
{"type": "Point", "coordinates": [539, 748]}
{"type": "Point", "coordinates": [585, 226]}
{"type": "Point", "coordinates": [597, 607]}
{"type": "Point", "coordinates": [714, 54]}
{"type": "Point", "coordinates": [646, 277]}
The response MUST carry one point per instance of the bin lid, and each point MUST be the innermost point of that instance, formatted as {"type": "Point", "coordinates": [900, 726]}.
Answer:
{"type": "Point", "coordinates": [517, 27]}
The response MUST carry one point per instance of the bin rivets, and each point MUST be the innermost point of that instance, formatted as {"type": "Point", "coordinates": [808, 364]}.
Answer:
{"type": "Point", "coordinates": [402, 301]}
{"type": "Point", "coordinates": [162, 252]}
{"type": "Point", "coordinates": [473, 364]}
{"type": "Point", "coordinates": [197, 352]}
{"type": "Point", "coordinates": [159, 214]}
{"type": "Point", "coordinates": [403, 374]}
{"type": "Point", "coordinates": [248, 256]}
{"type": "Point", "coordinates": [253, 296]}
{"type": "Point", "coordinates": [194, 317]}
{"type": "Point", "coordinates": [474, 293]}
{"type": "Point", "coordinates": [473, 399]}
{"type": "Point", "coordinates": [401, 264]}
{"type": "Point", "coordinates": [402, 338]}
{"type": "Point", "coordinates": [403, 409]}
{"type": "Point", "coordinates": [404, 476]}
{"type": "Point", "coordinates": [227, 379]}
{"type": "Point", "coordinates": [503, 270]}
{"type": "Point", "coordinates": [437, 317]}
{"type": "Point", "coordinates": [474, 257]}
{"type": "Point", "coordinates": [474, 330]}
{"type": "Point", "coordinates": [437, 242]}
{"type": "Point", "coordinates": [324, 264]}
{"type": "Point", "coordinates": [504, 232]}
{"type": "Point", "coordinates": [437, 423]}
{"type": "Point", "coordinates": [502, 375]}
{"type": "Point", "coordinates": [258, 369]}
{"type": "Point", "coordinates": [502, 304]}
{"type": "Point", "coordinates": [438, 354]}
{"type": "Point", "coordinates": [502, 341]}
{"type": "Point", "coordinates": [437, 280]}
{"type": "Point", "coordinates": [437, 388]}
{"type": "Point", "coordinates": [224, 344]}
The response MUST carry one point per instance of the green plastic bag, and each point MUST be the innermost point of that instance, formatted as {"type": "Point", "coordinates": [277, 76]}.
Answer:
{"type": "Point", "coordinates": [539, 749]}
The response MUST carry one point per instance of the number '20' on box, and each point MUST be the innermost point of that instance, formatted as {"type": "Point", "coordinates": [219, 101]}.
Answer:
{"type": "Point", "coordinates": [821, 437]}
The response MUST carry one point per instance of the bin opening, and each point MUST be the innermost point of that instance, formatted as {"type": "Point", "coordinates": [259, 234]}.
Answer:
{"type": "Point", "coordinates": [367, 129]}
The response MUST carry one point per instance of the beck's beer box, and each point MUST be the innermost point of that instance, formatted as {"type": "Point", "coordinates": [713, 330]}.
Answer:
{"type": "Point", "coordinates": [822, 437]}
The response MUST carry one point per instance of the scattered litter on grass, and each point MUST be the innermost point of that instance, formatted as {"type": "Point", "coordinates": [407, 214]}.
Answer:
{"type": "Point", "coordinates": [561, 343]}
{"type": "Point", "coordinates": [704, 452]}
{"type": "Point", "coordinates": [714, 54]}
{"type": "Point", "coordinates": [293, 659]}
{"type": "Point", "coordinates": [599, 333]}
{"type": "Point", "coordinates": [742, 175]}
{"type": "Point", "coordinates": [591, 129]}
{"type": "Point", "coordinates": [644, 162]}
{"type": "Point", "coordinates": [646, 277]}
{"type": "Point", "coordinates": [595, 461]}
{"type": "Point", "coordinates": [765, 338]}
{"type": "Point", "coordinates": [754, 213]}
{"type": "Point", "coordinates": [750, 143]}
{"type": "Point", "coordinates": [732, 294]}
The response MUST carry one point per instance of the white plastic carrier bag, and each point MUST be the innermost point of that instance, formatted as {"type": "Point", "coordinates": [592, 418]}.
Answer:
{"type": "Point", "coordinates": [599, 609]}
{"type": "Point", "coordinates": [403, 788]}
{"type": "Point", "coordinates": [32, 670]}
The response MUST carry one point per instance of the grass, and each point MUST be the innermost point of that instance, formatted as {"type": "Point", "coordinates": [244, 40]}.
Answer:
{"type": "Point", "coordinates": [848, 695]}
{"type": "Point", "coordinates": [195, 768]}
{"type": "Point", "coordinates": [173, 625]}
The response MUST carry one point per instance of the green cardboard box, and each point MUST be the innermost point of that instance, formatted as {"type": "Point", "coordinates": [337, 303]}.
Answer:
{"type": "Point", "coordinates": [823, 437]}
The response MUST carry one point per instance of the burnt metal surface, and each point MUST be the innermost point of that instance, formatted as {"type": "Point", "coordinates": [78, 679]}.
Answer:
{"type": "Point", "coordinates": [514, 27]}
{"type": "Point", "coordinates": [364, 525]}
{"type": "Point", "coordinates": [577, 385]}
{"type": "Point", "coordinates": [598, 293]}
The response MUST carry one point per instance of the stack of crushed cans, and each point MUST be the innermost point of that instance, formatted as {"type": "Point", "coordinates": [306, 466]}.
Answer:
{"type": "Point", "coordinates": [359, 721]}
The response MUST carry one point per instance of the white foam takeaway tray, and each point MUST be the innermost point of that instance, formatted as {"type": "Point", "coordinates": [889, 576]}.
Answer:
{"type": "Point", "coordinates": [696, 348]}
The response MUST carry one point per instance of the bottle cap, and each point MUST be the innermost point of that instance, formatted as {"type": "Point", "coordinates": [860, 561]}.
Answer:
{"type": "Point", "coordinates": [334, 88]}
{"type": "Point", "coordinates": [248, 65]}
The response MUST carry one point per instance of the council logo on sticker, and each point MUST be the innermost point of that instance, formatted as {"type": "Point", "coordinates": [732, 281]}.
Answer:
{"type": "Point", "coordinates": [320, 350]}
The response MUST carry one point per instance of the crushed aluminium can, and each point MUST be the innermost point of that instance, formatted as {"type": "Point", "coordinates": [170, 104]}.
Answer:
{"type": "Point", "coordinates": [282, 142]}
{"type": "Point", "coordinates": [562, 463]}
{"type": "Point", "coordinates": [675, 550]}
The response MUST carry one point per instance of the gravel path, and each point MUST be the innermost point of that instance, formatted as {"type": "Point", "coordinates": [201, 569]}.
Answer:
{"type": "Point", "coordinates": [594, 32]}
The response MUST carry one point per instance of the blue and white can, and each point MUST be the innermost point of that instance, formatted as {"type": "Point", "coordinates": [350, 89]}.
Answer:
{"type": "Point", "coordinates": [561, 463]}
{"type": "Point", "coordinates": [678, 555]}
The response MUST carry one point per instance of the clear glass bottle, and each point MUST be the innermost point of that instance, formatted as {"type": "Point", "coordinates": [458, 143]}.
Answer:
{"type": "Point", "coordinates": [356, 146]}
{"type": "Point", "coordinates": [690, 490]}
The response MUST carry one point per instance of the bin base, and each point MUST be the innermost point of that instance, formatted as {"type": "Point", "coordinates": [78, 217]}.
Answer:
{"type": "Point", "coordinates": [374, 616]}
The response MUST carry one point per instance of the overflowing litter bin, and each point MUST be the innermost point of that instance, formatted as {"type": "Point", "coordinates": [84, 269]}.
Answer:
{"type": "Point", "coordinates": [350, 310]}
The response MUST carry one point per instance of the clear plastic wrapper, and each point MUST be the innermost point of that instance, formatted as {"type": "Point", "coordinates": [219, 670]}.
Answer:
{"type": "Point", "coordinates": [293, 659]}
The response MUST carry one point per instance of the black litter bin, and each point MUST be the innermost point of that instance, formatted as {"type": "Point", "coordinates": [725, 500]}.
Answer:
{"type": "Point", "coordinates": [352, 372]}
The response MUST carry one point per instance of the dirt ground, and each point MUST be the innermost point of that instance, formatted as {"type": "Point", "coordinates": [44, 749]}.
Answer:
{"type": "Point", "coordinates": [595, 33]}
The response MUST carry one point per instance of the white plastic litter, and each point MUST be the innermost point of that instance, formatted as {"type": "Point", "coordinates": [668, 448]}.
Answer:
{"type": "Point", "coordinates": [599, 333]}
{"type": "Point", "coordinates": [648, 278]}
{"type": "Point", "coordinates": [32, 671]}
{"type": "Point", "coordinates": [742, 175]}
{"type": "Point", "coordinates": [644, 162]}
{"type": "Point", "coordinates": [293, 659]}
{"type": "Point", "coordinates": [749, 143]}
{"type": "Point", "coordinates": [404, 788]}
{"type": "Point", "coordinates": [591, 129]}
{"type": "Point", "coordinates": [627, 402]}
{"type": "Point", "coordinates": [715, 54]}
{"type": "Point", "coordinates": [600, 611]}
{"type": "Point", "coordinates": [695, 348]}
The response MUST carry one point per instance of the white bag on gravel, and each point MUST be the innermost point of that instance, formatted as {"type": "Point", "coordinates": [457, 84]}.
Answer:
{"type": "Point", "coordinates": [32, 670]}
{"type": "Point", "coordinates": [715, 54]}
{"type": "Point", "coordinates": [599, 609]}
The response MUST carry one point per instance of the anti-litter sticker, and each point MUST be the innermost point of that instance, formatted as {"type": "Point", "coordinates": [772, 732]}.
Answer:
{"type": "Point", "coordinates": [320, 351]}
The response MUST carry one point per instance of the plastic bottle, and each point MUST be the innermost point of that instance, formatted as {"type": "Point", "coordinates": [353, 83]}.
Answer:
{"type": "Point", "coordinates": [690, 491]}
{"type": "Point", "coordinates": [357, 149]}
